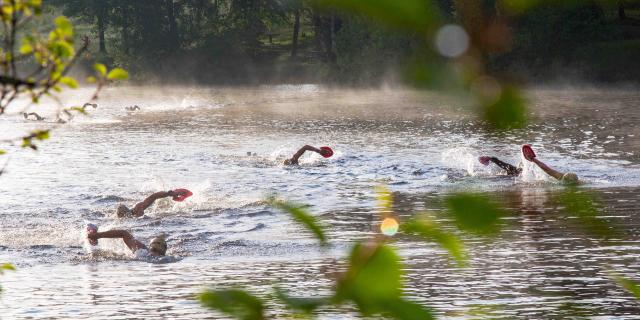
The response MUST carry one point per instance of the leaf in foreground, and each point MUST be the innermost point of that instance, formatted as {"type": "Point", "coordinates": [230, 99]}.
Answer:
{"type": "Point", "coordinates": [373, 282]}
{"type": "Point", "coordinates": [429, 230]}
{"type": "Point", "coordinates": [509, 112]}
{"type": "Point", "coordinates": [234, 302]}
{"type": "Point", "coordinates": [475, 213]}
{"type": "Point", "coordinates": [300, 214]}
{"type": "Point", "coordinates": [306, 305]}
{"type": "Point", "coordinates": [628, 284]}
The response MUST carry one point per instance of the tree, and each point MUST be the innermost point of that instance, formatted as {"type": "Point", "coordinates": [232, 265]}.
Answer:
{"type": "Point", "coordinates": [90, 10]}
{"type": "Point", "coordinates": [35, 65]}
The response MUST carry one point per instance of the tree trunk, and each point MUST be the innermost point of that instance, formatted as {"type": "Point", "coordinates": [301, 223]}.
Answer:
{"type": "Point", "coordinates": [173, 25]}
{"type": "Point", "coordinates": [101, 26]}
{"type": "Point", "coordinates": [126, 41]}
{"type": "Point", "coordinates": [621, 14]}
{"type": "Point", "coordinates": [296, 31]}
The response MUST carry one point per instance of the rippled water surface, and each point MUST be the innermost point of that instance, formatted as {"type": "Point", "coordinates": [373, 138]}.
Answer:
{"type": "Point", "coordinates": [227, 145]}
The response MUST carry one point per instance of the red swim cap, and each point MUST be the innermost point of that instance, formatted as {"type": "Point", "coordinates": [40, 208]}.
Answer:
{"type": "Point", "coordinates": [484, 160]}
{"type": "Point", "coordinates": [327, 152]}
{"type": "Point", "coordinates": [528, 152]}
{"type": "Point", "coordinates": [181, 194]}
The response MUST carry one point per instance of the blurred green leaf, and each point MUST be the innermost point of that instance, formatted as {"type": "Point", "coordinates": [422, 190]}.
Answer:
{"type": "Point", "coordinates": [7, 266]}
{"type": "Point", "coordinates": [118, 74]}
{"type": "Point", "coordinates": [385, 198]}
{"type": "Point", "coordinates": [41, 134]}
{"type": "Point", "coordinates": [26, 48]}
{"type": "Point", "coordinates": [70, 82]}
{"type": "Point", "coordinates": [509, 112]}
{"type": "Point", "coordinates": [306, 305]}
{"type": "Point", "coordinates": [100, 68]}
{"type": "Point", "coordinates": [300, 214]}
{"type": "Point", "coordinates": [414, 15]}
{"type": "Point", "coordinates": [64, 26]}
{"type": "Point", "coordinates": [79, 110]}
{"type": "Point", "coordinates": [92, 79]}
{"type": "Point", "coordinates": [407, 310]}
{"type": "Point", "coordinates": [373, 277]}
{"type": "Point", "coordinates": [2, 152]}
{"type": "Point", "coordinates": [373, 281]}
{"type": "Point", "coordinates": [475, 213]}
{"type": "Point", "coordinates": [429, 230]}
{"type": "Point", "coordinates": [234, 302]}
{"type": "Point", "coordinates": [582, 205]}
{"type": "Point", "coordinates": [628, 284]}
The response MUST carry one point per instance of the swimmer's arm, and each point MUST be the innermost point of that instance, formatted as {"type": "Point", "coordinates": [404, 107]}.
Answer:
{"type": "Point", "coordinates": [556, 174]}
{"type": "Point", "coordinates": [128, 239]}
{"type": "Point", "coordinates": [297, 155]}
{"type": "Point", "coordinates": [511, 169]}
{"type": "Point", "coordinates": [138, 210]}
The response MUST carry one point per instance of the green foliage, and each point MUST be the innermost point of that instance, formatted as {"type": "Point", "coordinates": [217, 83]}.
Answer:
{"type": "Point", "coordinates": [6, 267]}
{"type": "Point", "coordinates": [427, 229]}
{"type": "Point", "coordinates": [632, 286]}
{"type": "Point", "coordinates": [52, 56]}
{"type": "Point", "coordinates": [101, 69]}
{"type": "Point", "coordinates": [118, 74]}
{"type": "Point", "coordinates": [413, 15]}
{"type": "Point", "coordinates": [373, 282]}
{"type": "Point", "coordinates": [234, 302]}
{"type": "Point", "coordinates": [300, 214]}
{"type": "Point", "coordinates": [475, 213]}
{"type": "Point", "coordinates": [70, 82]}
{"type": "Point", "coordinates": [27, 141]}
{"type": "Point", "coordinates": [304, 305]}
{"type": "Point", "coordinates": [509, 112]}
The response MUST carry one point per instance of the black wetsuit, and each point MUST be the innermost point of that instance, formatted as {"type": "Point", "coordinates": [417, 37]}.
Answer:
{"type": "Point", "coordinates": [511, 170]}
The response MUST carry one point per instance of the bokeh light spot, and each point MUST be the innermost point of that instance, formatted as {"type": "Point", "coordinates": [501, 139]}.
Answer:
{"type": "Point", "coordinates": [452, 41]}
{"type": "Point", "coordinates": [389, 227]}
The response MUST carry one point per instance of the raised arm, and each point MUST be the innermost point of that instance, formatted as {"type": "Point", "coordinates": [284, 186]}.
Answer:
{"type": "Point", "coordinates": [556, 174]}
{"type": "Point", "coordinates": [138, 210]}
{"type": "Point", "coordinates": [297, 155]}
{"type": "Point", "coordinates": [128, 239]}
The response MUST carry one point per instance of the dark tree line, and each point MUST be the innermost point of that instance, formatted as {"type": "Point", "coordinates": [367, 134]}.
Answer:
{"type": "Point", "coordinates": [233, 40]}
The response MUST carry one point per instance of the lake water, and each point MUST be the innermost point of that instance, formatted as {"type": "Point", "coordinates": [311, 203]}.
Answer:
{"type": "Point", "coordinates": [227, 146]}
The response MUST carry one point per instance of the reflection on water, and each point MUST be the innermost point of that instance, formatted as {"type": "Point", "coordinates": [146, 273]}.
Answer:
{"type": "Point", "coordinates": [422, 146]}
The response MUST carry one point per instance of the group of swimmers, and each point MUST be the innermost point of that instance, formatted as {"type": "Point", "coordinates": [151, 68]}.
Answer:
{"type": "Point", "coordinates": [158, 245]}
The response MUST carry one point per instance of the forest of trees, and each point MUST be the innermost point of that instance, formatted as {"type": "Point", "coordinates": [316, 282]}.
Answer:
{"type": "Point", "coordinates": [259, 41]}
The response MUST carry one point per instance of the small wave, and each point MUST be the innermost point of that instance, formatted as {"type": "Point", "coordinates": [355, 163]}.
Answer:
{"type": "Point", "coordinates": [259, 226]}
{"type": "Point", "coordinates": [109, 199]}
{"type": "Point", "coordinates": [42, 246]}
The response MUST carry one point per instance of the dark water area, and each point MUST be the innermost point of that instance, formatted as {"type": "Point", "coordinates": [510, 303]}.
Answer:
{"type": "Point", "coordinates": [422, 146]}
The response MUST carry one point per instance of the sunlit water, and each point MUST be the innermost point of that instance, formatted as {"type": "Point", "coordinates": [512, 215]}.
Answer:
{"type": "Point", "coordinates": [227, 146]}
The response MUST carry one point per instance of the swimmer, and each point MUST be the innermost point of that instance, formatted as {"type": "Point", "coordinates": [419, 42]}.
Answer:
{"type": "Point", "coordinates": [132, 108]}
{"type": "Point", "coordinates": [566, 178]}
{"type": "Point", "coordinates": [157, 246]}
{"type": "Point", "coordinates": [138, 210]}
{"type": "Point", "coordinates": [36, 116]}
{"type": "Point", "coordinates": [511, 170]}
{"type": "Point", "coordinates": [323, 151]}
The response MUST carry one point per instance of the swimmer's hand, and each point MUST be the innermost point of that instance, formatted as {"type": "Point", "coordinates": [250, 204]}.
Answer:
{"type": "Point", "coordinates": [528, 153]}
